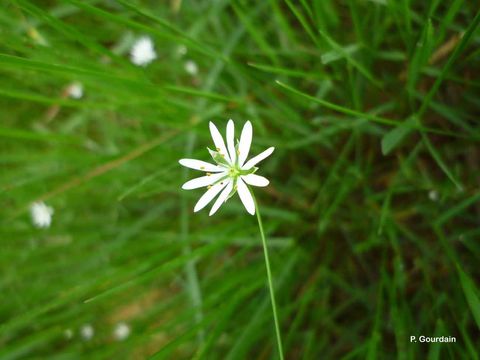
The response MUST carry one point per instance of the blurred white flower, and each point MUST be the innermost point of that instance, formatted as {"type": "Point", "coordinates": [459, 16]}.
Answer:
{"type": "Point", "coordinates": [143, 52]}
{"type": "Point", "coordinates": [122, 331]}
{"type": "Point", "coordinates": [41, 214]}
{"type": "Point", "coordinates": [433, 195]}
{"type": "Point", "coordinates": [191, 67]}
{"type": "Point", "coordinates": [75, 90]}
{"type": "Point", "coordinates": [87, 332]}
{"type": "Point", "coordinates": [231, 173]}
{"type": "Point", "coordinates": [182, 50]}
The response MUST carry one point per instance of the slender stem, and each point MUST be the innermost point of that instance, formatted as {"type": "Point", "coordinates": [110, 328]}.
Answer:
{"type": "Point", "coordinates": [270, 283]}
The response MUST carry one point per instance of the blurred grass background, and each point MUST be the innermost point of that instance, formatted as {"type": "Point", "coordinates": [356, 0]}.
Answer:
{"type": "Point", "coordinates": [373, 210]}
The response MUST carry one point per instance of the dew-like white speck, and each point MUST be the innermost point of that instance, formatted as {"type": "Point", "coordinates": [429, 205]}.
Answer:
{"type": "Point", "coordinates": [182, 50]}
{"type": "Point", "coordinates": [433, 195]}
{"type": "Point", "coordinates": [121, 331]}
{"type": "Point", "coordinates": [41, 214]}
{"type": "Point", "coordinates": [87, 332]}
{"type": "Point", "coordinates": [191, 67]}
{"type": "Point", "coordinates": [75, 90]}
{"type": "Point", "coordinates": [143, 51]}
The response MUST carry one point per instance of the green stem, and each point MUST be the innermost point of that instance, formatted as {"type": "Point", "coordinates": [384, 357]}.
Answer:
{"type": "Point", "coordinates": [270, 283]}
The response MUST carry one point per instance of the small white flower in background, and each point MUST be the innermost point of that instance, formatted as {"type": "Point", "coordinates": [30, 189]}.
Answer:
{"type": "Point", "coordinates": [191, 67]}
{"type": "Point", "coordinates": [122, 331]}
{"type": "Point", "coordinates": [75, 90]}
{"type": "Point", "coordinates": [143, 52]}
{"type": "Point", "coordinates": [182, 50]}
{"type": "Point", "coordinates": [231, 173]}
{"type": "Point", "coordinates": [433, 195]}
{"type": "Point", "coordinates": [41, 214]}
{"type": "Point", "coordinates": [87, 332]}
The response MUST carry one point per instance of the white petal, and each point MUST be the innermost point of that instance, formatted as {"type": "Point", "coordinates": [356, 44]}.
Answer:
{"type": "Point", "coordinates": [222, 198]}
{"type": "Point", "coordinates": [218, 141]}
{"type": "Point", "coordinates": [255, 180]}
{"type": "Point", "coordinates": [256, 159]}
{"type": "Point", "coordinates": [245, 196]}
{"type": "Point", "coordinates": [231, 140]}
{"type": "Point", "coordinates": [245, 142]}
{"type": "Point", "coordinates": [209, 195]}
{"type": "Point", "coordinates": [202, 181]}
{"type": "Point", "coordinates": [200, 165]}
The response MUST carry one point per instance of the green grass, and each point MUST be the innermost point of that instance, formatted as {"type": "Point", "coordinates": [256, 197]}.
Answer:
{"type": "Point", "coordinates": [372, 213]}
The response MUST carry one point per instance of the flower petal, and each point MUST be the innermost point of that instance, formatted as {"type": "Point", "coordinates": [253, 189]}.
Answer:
{"type": "Point", "coordinates": [255, 180]}
{"type": "Point", "coordinates": [245, 142]}
{"type": "Point", "coordinates": [245, 196]}
{"type": "Point", "coordinates": [231, 140]}
{"type": "Point", "coordinates": [203, 181]}
{"type": "Point", "coordinates": [209, 195]}
{"type": "Point", "coordinates": [218, 141]}
{"type": "Point", "coordinates": [200, 165]}
{"type": "Point", "coordinates": [222, 198]}
{"type": "Point", "coordinates": [256, 159]}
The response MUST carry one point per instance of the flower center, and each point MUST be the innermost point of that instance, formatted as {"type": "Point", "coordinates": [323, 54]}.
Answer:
{"type": "Point", "coordinates": [233, 172]}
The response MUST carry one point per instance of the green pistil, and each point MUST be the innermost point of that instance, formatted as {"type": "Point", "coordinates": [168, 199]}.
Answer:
{"type": "Point", "coordinates": [234, 172]}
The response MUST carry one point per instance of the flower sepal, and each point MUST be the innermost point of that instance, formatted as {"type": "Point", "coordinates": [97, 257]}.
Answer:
{"type": "Point", "coordinates": [252, 170]}
{"type": "Point", "coordinates": [218, 157]}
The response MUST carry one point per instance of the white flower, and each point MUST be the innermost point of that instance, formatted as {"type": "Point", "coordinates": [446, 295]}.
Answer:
{"type": "Point", "coordinates": [41, 214]}
{"type": "Point", "coordinates": [143, 52]}
{"type": "Point", "coordinates": [182, 50]}
{"type": "Point", "coordinates": [121, 332]}
{"type": "Point", "coordinates": [75, 90]}
{"type": "Point", "coordinates": [433, 195]}
{"type": "Point", "coordinates": [191, 67]}
{"type": "Point", "coordinates": [87, 331]}
{"type": "Point", "coordinates": [231, 173]}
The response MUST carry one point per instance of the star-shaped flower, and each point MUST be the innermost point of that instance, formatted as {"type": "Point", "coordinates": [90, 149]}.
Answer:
{"type": "Point", "coordinates": [41, 214]}
{"type": "Point", "coordinates": [230, 173]}
{"type": "Point", "coordinates": [143, 51]}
